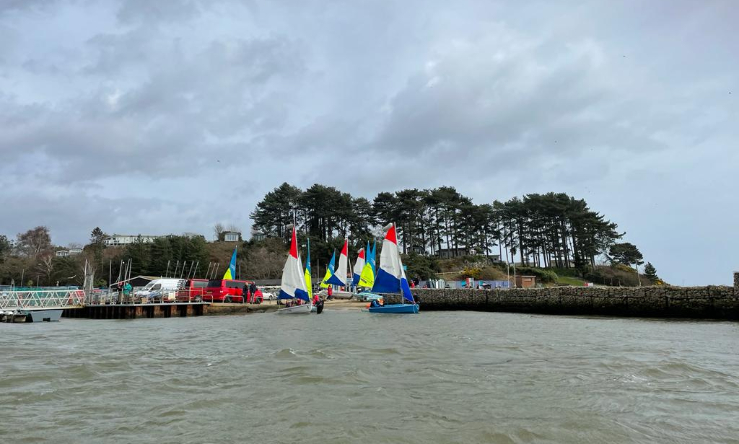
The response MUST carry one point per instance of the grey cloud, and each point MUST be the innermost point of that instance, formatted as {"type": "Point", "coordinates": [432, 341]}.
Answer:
{"type": "Point", "coordinates": [185, 103]}
{"type": "Point", "coordinates": [71, 216]}
{"type": "Point", "coordinates": [7, 6]}
{"type": "Point", "coordinates": [155, 11]}
{"type": "Point", "coordinates": [487, 101]}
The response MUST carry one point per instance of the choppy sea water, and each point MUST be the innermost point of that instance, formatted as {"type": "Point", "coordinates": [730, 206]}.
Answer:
{"type": "Point", "coordinates": [342, 376]}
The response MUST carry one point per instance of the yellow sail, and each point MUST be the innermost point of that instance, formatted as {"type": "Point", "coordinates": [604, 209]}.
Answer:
{"type": "Point", "coordinates": [308, 283]}
{"type": "Point", "coordinates": [367, 278]}
{"type": "Point", "coordinates": [231, 270]}
{"type": "Point", "coordinates": [329, 271]}
{"type": "Point", "coordinates": [325, 278]}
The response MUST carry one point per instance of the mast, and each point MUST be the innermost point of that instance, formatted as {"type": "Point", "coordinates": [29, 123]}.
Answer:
{"type": "Point", "coordinates": [350, 273]}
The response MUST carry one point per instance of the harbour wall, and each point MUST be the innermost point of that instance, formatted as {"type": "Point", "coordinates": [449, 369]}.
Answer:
{"type": "Point", "coordinates": [711, 302]}
{"type": "Point", "coordinates": [164, 310]}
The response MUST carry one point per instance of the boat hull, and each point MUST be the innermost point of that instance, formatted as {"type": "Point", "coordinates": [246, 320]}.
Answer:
{"type": "Point", "coordinates": [44, 315]}
{"type": "Point", "coordinates": [296, 309]}
{"type": "Point", "coordinates": [338, 294]}
{"type": "Point", "coordinates": [395, 309]}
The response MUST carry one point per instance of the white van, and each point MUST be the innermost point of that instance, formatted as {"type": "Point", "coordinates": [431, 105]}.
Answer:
{"type": "Point", "coordinates": [161, 290]}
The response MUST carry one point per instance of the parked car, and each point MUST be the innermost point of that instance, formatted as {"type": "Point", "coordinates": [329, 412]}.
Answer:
{"type": "Point", "coordinates": [226, 290]}
{"type": "Point", "coordinates": [256, 298]}
{"type": "Point", "coordinates": [192, 291]}
{"type": "Point", "coordinates": [160, 290]}
{"type": "Point", "coordinates": [366, 296]}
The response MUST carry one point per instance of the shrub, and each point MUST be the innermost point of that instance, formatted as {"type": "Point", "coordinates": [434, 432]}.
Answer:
{"type": "Point", "coordinates": [492, 274]}
{"type": "Point", "coordinates": [542, 275]}
{"type": "Point", "coordinates": [424, 267]}
{"type": "Point", "coordinates": [624, 268]}
{"type": "Point", "coordinates": [471, 272]}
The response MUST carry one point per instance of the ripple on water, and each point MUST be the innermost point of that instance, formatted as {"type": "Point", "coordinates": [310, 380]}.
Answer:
{"type": "Point", "coordinates": [436, 377]}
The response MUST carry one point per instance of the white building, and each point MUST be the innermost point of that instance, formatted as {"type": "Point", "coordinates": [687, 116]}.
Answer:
{"type": "Point", "coordinates": [257, 236]}
{"type": "Point", "coordinates": [126, 239]}
{"type": "Point", "coordinates": [69, 252]}
{"type": "Point", "coordinates": [231, 236]}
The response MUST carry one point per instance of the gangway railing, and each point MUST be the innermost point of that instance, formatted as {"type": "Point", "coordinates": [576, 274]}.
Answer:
{"type": "Point", "coordinates": [41, 299]}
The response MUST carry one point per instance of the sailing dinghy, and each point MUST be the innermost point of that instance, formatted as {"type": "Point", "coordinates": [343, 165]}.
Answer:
{"type": "Point", "coordinates": [293, 282]}
{"type": "Point", "coordinates": [391, 278]}
{"type": "Point", "coordinates": [339, 275]}
{"type": "Point", "coordinates": [358, 267]}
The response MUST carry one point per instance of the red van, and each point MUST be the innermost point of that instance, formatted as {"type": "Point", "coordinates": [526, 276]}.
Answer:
{"type": "Point", "coordinates": [226, 290]}
{"type": "Point", "coordinates": [192, 291]}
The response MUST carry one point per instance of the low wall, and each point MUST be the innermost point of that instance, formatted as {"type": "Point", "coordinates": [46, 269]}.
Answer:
{"type": "Point", "coordinates": [715, 302]}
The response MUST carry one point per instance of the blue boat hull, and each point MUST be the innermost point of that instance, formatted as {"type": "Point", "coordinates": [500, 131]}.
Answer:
{"type": "Point", "coordinates": [395, 308]}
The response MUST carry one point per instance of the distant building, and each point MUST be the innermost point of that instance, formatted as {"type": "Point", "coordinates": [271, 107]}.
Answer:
{"type": "Point", "coordinates": [126, 239]}
{"type": "Point", "coordinates": [257, 236]}
{"type": "Point", "coordinates": [446, 253]}
{"type": "Point", "coordinates": [418, 249]}
{"type": "Point", "coordinates": [68, 252]}
{"type": "Point", "coordinates": [525, 281]}
{"type": "Point", "coordinates": [231, 236]}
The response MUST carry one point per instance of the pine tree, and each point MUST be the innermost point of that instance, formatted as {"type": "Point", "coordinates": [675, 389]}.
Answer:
{"type": "Point", "coordinates": [650, 271]}
{"type": "Point", "coordinates": [276, 210]}
{"type": "Point", "coordinates": [625, 253]}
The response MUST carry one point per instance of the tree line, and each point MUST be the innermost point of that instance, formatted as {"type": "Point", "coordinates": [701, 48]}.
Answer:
{"type": "Point", "coordinates": [542, 230]}
{"type": "Point", "coordinates": [31, 259]}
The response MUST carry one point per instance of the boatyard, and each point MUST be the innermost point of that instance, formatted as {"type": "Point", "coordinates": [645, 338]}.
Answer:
{"type": "Point", "coordinates": [51, 305]}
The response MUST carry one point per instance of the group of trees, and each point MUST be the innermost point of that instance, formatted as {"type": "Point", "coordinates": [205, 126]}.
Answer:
{"type": "Point", "coordinates": [554, 230]}
{"type": "Point", "coordinates": [5, 247]}
{"type": "Point", "coordinates": [30, 260]}
{"type": "Point", "coordinates": [542, 230]}
{"type": "Point", "coordinates": [165, 256]}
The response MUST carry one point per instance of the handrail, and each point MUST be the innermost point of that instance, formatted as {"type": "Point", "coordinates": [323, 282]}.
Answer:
{"type": "Point", "coordinates": [22, 299]}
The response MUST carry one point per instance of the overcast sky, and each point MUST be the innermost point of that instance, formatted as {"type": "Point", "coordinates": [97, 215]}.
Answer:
{"type": "Point", "coordinates": [161, 117]}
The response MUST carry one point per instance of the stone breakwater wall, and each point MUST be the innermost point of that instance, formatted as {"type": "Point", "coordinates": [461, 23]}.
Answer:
{"type": "Point", "coordinates": [712, 302]}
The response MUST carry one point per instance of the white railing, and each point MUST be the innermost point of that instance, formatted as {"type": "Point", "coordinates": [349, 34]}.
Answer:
{"type": "Point", "coordinates": [37, 299]}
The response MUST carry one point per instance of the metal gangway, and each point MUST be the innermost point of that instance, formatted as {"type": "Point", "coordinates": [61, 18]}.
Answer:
{"type": "Point", "coordinates": [14, 300]}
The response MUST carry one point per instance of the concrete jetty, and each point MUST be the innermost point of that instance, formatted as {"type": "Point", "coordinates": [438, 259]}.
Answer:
{"type": "Point", "coordinates": [164, 310]}
{"type": "Point", "coordinates": [136, 311]}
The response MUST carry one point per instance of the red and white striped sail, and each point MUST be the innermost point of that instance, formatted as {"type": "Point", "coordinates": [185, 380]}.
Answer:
{"type": "Point", "coordinates": [293, 279]}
